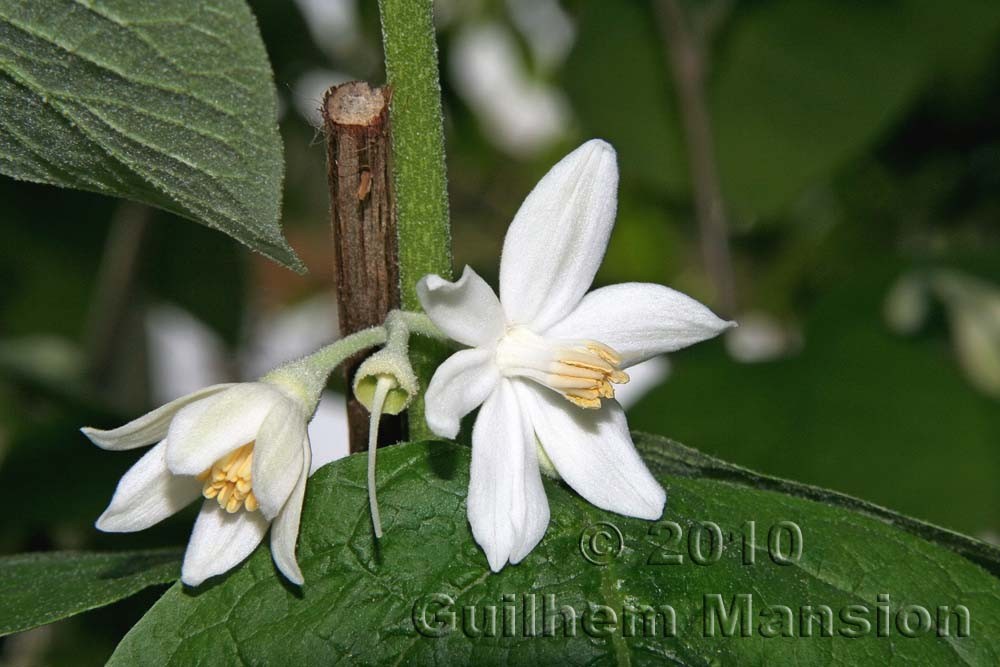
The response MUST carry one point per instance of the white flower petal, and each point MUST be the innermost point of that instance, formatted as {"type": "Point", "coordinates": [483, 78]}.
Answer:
{"type": "Point", "coordinates": [593, 452]}
{"type": "Point", "coordinates": [285, 529]}
{"type": "Point", "coordinates": [556, 242]}
{"type": "Point", "coordinates": [149, 428]}
{"type": "Point", "coordinates": [220, 541]}
{"type": "Point", "coordinates": [467, 310]}
{"type": "Point", "coordinates": [277, 456]}
{"type": "Point", "coordinates": [147, 494]}
{"type": "Point", "coordinates": [458, 387]}
{"type": "Point", "coordinates": [536, 511]}
{"type": "Point", "coordinates": [640, 320]}
{"type": "Point", "coordinates": [496, 500]}
{"type": "Point", "coordinates": [203, 432]}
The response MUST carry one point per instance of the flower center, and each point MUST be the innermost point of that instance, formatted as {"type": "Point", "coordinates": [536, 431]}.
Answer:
{"type": "Point", "coordinates": [229, 480]}
{"type": "Point", "coordinates": [581, 370]}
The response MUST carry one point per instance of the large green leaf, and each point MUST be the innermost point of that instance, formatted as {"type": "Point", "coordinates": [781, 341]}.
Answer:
{"type": "Point", "coordinates": [41, 588]}
{"type": "Point", "coordinates": [363, 601]}
{"type": "Point", "coordinates": [169, 103]}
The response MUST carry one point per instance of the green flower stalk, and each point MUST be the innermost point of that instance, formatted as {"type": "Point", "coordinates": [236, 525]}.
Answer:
{"type": "Point", "coordinates": [419, 177]}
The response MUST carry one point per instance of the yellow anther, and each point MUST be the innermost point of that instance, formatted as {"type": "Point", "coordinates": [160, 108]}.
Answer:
{"type": "Point", "coordinates": [251, 502]}
{"type": "Point", "coordinates": [230, 482]}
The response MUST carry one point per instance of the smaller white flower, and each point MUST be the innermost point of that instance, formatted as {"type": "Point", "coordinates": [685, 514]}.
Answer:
{"type": "Point", "coordinates": [243, 447]}
{"type": "Point", "coordinates": [543, 359]}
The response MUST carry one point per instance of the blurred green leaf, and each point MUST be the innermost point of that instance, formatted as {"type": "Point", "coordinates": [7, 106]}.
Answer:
{"type": "Point", "coordinates": [75, 499]}
{"type": "Point", "coordinates": [49, 257]}
{"type": "Point", "coordinates": [168, 103]}
{"type": "Point", "coordinates": [859, 409]}
{"type": "Point", "coordinates": [363, 601]}
{"type": "Point", "coordinates": [44, 449]}
{"type": "Point", "coordinates": [797, 87]}
{"type": "Point", "coordinates": [200, 272]}
{"type": "Point", "coordinates": [41, 588]}
{"type": "Point", "coordinates": [645, 246]}
{"type": "Point", "coordinates": [803, 85]}
{"type": "Point", "coordinates": [616, 79]}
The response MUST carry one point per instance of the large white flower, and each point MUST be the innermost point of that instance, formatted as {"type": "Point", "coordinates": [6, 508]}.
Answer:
{"type": "Point", "coordinates": [543, 359]}
{"type": "Point", "coordinates": [244, 447]}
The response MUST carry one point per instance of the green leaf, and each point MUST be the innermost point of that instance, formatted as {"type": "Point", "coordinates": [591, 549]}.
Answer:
{"type": "Point", "coordinates": [669, 458]}
{"type": "Point", "coordinates": [362, 601]}
{"type": "Point", "coordinates": [168, 103]}
{"type": "Point", "coordinates": [41, 588]}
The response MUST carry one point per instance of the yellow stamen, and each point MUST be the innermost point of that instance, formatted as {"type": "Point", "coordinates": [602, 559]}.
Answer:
{"type": "Point", "coordinates": [230, 482]}
{"type": "Point", "coordinates": [583, 371]}
{"type": "Point", "coordinates": [251, 502]}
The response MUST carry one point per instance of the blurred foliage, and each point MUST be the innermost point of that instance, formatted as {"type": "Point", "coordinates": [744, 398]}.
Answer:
{"type": "Point", "coordinates": [859, 409]}
{"type": "Point", "coordinates": [856, 142]}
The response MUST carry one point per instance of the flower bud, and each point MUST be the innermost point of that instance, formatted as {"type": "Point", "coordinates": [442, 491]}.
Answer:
{"type": "Point", "coordinates": [386, 363]}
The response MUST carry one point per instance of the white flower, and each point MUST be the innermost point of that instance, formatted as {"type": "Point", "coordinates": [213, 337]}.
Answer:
{"type": "Point", "coordinates": [243, 447]}
{"type": "Point", "coordinates": [544, 357]}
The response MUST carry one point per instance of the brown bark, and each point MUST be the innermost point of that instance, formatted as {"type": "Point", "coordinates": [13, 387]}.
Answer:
{"type": "Point", "coordinates": [363, 221]}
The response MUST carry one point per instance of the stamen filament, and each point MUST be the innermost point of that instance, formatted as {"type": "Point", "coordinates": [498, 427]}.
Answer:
{"type": "Point", "coordinates": [583, 371]}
